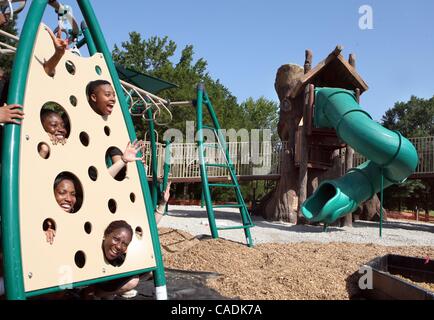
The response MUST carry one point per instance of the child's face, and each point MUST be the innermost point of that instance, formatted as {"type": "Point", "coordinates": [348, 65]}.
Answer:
{"type": "Point", "coordinates": [103, 99]}
{"type": "Point", "coordinates": [116, 243]}
{"type": "Point", "coordinates": [54, 125]}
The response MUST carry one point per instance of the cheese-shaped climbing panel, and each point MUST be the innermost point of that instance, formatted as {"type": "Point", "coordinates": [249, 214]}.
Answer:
{"type": "Point", "coordinates": [76, 254]}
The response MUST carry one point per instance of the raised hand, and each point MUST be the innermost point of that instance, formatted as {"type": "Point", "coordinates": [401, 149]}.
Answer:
{"type": "Point", "coordinates": [50, 233]}
{"type": "Point", "coordinates": [166, 193]}
{"type": "Point", "coordinates": [60, 45]}
{"type": "Point", "coordinates": [130, 153]}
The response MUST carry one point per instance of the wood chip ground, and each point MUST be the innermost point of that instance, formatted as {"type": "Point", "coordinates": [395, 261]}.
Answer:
{"type": "Point", "coordinates": [277, 271]}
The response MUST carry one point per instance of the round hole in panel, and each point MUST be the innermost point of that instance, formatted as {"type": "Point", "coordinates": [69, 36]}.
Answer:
{"type": "Point", "coordinates": [73, 100]}
{"type": "Point", "coordinates": [98, 70]}
{"type": "Point", "coordinates": [107, 131]}
{"type": "Point", "coordinates": [112, 205]}
{"type": "Point", "coordinates": [84, 138]}
{"type": "Point", "coordinates": [49, 228]}
{"type": "Point", "coordinates": [70, 67]}
{"type": "Point", "coordinates": [88, 227]}
{"type": "Point", "coordinates": [44, 150]}
{"type": "Point", "coordinates": [139, 233]}
{"type": "Point", "coordinates": [80, 259]}
{"type": "Point", "coordinates": [68, 192]}
{"type": "Point", "coordinates": [132, 197]}
{"type": "Point", "coordinates": [93, 173]}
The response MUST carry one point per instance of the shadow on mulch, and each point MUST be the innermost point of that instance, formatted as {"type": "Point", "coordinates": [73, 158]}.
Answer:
{"type": "Point", "coordinates": [181, 285]}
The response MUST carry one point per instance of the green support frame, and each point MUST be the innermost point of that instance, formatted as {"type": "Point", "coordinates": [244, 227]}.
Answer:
{"type": "Point", "coordinates": [203, 99]}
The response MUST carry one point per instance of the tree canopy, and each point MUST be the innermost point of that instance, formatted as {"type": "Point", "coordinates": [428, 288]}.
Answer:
{"type": "Point", "coordinates": [414, 118]}
{"type": "Point", "coordinates": [158, 57]}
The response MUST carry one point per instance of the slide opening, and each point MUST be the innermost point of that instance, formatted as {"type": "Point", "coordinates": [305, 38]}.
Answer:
{"type": "Point", "coordinates": [314, 206]}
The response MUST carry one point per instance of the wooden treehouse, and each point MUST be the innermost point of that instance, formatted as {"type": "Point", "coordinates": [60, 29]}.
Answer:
{"type": "Point", "coordinates": [319, 144]}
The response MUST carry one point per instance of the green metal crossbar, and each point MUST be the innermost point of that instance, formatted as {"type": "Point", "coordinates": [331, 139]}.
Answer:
{"type": "Point", "coordinates": [223, 185]}
{"type": "Point", "coordinates": [217, 165]}
{"type": "Point", "coordinates": [208, 127]}
{"type": "Point", "coordinates": [236, 227]}
{"type": "Point", "coordinates": [228, 206]}
{"type": "Point", "coordinates": [203, 99]}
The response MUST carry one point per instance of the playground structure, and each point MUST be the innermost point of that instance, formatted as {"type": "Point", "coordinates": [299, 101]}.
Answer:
{"type": "Point", "coordinates": [104, 199]}
{"type": "Point", "coordinates": [27, 276]}
{"type": "Point", "coordinates": [31, 266]}
{"type": "Point", "coordinates": [323, 101]}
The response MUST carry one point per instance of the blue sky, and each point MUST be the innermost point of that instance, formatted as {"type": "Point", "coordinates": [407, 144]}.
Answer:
{"type": "Point", "coordinates": [245, 42]}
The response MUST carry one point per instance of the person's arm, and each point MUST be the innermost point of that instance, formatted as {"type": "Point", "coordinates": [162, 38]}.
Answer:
{"type": "Point", "coordinates": [10, 114]}
{"type": "Point", "coordinates": [129, 155]}
{"type": "Point", "coordinates": [50, 233]}
{"type": "Point", "coordinates": [3, 19]}
{"type": "Point", "coordinates": [60, 46]}
{"type": "Point", "coordinates": [159, 211]}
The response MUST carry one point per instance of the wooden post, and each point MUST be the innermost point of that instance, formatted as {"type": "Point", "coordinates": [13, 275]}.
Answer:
{"type": "Point", "coordinates": [308, 61]}
{"type": "Point", "coordinates": [349, 152]}
{"type": "Point", "coordinates": [303, 171]}
{"type": "Point", "coordinates": [352, 60]}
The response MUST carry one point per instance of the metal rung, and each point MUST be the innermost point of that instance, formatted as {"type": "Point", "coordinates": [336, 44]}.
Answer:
{"type": "Point", "coordinates": [209, 127]}
{"type": "Point", "coordinates": [236, 227]}
{"type": "Point", "coordinates": [228, 206]}
{"type": "Point", "coordinates": [212, 145]}
{"type": "Point", "coordinates": [218, 165]}
{"type": "Point", "coordinates": [223, 185]}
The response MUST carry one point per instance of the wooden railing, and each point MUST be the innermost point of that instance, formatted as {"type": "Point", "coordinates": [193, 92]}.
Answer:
{"type": "Point", "coordinates": [425, 150]}
{"type": "Point", "coordinates": [261, 160]}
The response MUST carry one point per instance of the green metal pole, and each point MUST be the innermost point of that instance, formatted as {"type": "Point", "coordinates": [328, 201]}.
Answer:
{"type": "Point", "coordinates": [205, 189]}
{"type": "Point", "coordinates": [381, 203]}
{"type": "Point", "coordinates": [88, 39]}
{"type": "Point", "coordinates": [95, 30]}
{"type": "Point", "coordinates": [13, 271]}
{"type": "Point", "coordinates": [154, 163]}
{"type": "Point", "coordinates": [166, 169]}
{"type": "Point", "coordinates": [244, 214]}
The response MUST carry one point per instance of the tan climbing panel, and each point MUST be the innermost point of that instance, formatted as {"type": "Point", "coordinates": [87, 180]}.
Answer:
{"type": "Point", "coordinates": [46, 265]}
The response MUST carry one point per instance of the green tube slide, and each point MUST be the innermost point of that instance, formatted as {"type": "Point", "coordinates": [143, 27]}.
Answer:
{"type": "Point", "coordinates": [390, 155]}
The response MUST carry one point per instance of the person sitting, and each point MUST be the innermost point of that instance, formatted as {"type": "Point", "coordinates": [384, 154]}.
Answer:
{"type": "Point", "coordinates": [117, 237]}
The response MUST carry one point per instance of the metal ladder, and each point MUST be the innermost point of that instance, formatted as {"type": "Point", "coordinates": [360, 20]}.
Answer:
{"type": "Point", "coordinates": [203, 99]}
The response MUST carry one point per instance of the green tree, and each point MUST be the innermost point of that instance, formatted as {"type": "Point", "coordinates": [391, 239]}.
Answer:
{"type": "Point", "coordinates": [156, 56]}
{"type": "Point", "coordinates": [414, 118]}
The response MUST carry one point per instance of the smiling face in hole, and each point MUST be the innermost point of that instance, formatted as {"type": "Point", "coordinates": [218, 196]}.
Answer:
{"type": "Point", "coordinates": [65, 195]}
{"type": "Point", "coordinates": [54, 124]}
{"type": "Point", "coordinates": [116, 243]}
{"type": "Point", "coordinates": [103, 99]}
